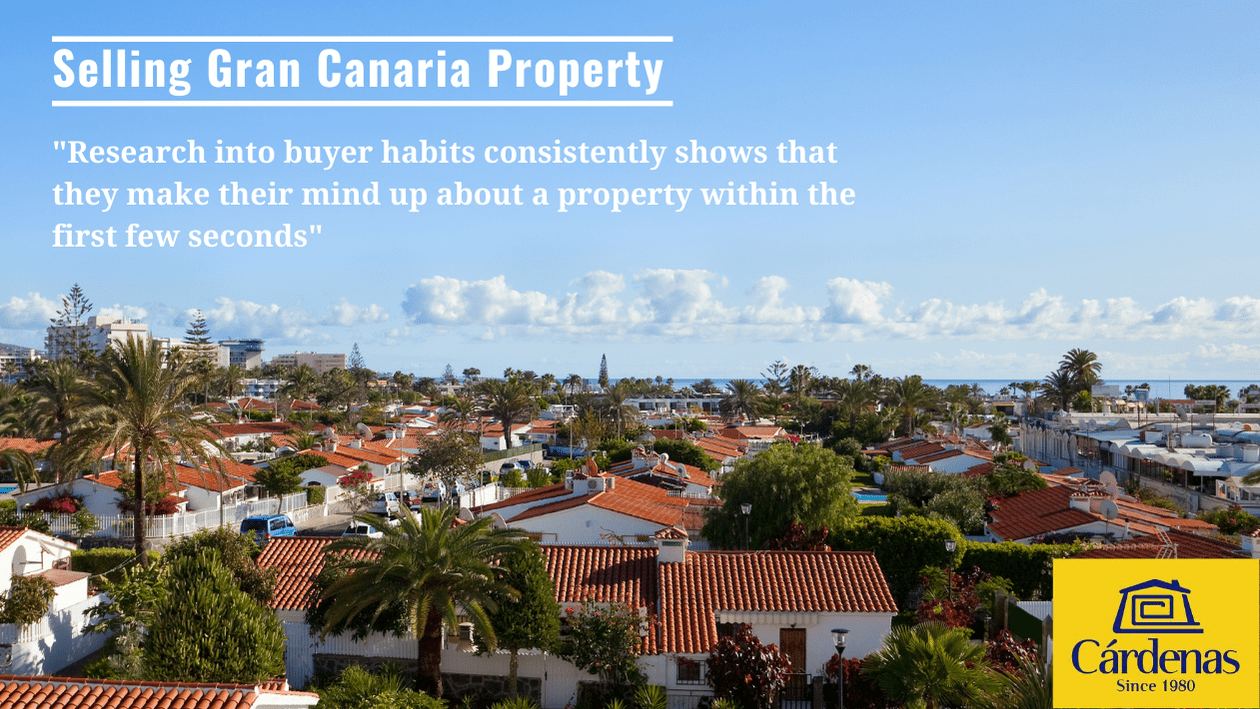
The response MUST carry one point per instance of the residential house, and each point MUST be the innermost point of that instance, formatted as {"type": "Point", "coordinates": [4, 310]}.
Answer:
{"type": "Point", "coordinates": [1062, 509]}
{"type": "Point", "coordinates": [57, 640]}
{"type": "Point", "coordinates": [687, 598]}
{"type": "Point", "coordinates": [658, 470]}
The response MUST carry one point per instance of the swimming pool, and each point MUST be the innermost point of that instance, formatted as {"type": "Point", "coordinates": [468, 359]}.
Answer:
{"type": "Point", "coordinates": [870, 497]}
{"type": "Point", "coordinates": [6, 489]}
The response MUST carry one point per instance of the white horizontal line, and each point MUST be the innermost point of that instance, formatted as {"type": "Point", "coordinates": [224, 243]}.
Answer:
{"type": "Point", "coordinates": [362, 104]}
{"type": "Point", "coordinates": [450, 39]}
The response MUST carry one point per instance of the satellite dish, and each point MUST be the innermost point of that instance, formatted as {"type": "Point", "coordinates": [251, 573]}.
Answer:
{"type": "Point", "coordinates": [466, 514]}
{"type": "Point", "coordinates": [1109, 509]}
{"type": "Point", "coordinates": [1030, 465]}
{"type": "Point", "coordinates": [1107, 479]}
{"type": "Point", "coordinates": [363, 431]}
{"type": "Point", "coordinates": [497, 522]}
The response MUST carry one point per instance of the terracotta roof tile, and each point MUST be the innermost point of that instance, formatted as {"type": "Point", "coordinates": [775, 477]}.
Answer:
{"type": "Point", "coordinates": [9, 535]}
{"type": "Point", "coordinates": [1188, 546]}
{"type": "Point", "coordinates": [1037, 512]}
{"type": "Point", "coordinates": [58, 693]}
{"type": "Point", "coordinates": [606, 574]}
{"type": "Point", "coordinates": [784, 581]}
{"type": "Point", "coordinates": [29, 446]}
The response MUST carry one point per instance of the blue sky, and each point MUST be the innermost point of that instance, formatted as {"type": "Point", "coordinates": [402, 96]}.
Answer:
{"type": "Point", "coordinates": [1028, 178]}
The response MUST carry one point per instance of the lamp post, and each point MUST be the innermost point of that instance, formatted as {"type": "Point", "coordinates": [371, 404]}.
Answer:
{"type": "Point", "coordinates": [840, 638]}
{"type": "Point", "coordinates": [746, 508]}
{"type": "Point", "coordinates": [950, 546]}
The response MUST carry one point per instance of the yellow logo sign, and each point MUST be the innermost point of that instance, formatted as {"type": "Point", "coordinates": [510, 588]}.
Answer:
{"type": "Point", "coordinates": [1156, 633]}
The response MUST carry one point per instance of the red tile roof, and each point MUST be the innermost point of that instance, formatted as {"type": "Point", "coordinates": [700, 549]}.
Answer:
{"type": "Point", "coordinates": [933, 457]}
{"type": "Point", "coordinates": [924, 448]}
{"type": "Point", "coordinates": [9, 535]}
{"type": "Point", "coordinates": [1037, 512]}
{"type": "Point", "coordinates": [296, 560]}
{"type": "Point", "coordinates": [61, 693]}
{"type": "Point", "coordinates": [1187, 546]}
{"type": "Point", "coordinates": [784, 581]}
{"type": "Point", "coordinates": [27, 445]}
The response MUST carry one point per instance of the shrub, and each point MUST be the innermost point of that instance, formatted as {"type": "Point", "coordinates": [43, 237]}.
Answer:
{"type": "Point", "coordinates": [902, 545]}
{"type": "Point", "coordinates": [1026, 565]}
{"type": "Point", "coordinates": [236, 552]}
{"type": "Point", "coordinates": [745, 671]}
{"type": "Point", "coordinates": [316, 495]}
{"type": "Point", "coordinates": [1231, 520]}
{"type": "Point", "coordinates": [605, 642]}
{"type": "Point", "coordinates": [28, 600]}
{"type": "Point", "coordinates": [207, 630]}
{"type": "Point", "coordinates": [65, 504]}
{"type": "Point", "coordinates": [105, 559]}
{"type": "Point", "coordinates": [357, 688]}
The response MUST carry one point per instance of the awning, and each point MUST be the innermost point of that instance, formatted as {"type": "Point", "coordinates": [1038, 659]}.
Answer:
{"type": "Point", "coordinates": [1204, 466]}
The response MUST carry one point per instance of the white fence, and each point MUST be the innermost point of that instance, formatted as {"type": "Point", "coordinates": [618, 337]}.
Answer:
{"type": "Point", "coordinates": [178, 525]}
{"type": "Point", "coordinates": [50, 645]}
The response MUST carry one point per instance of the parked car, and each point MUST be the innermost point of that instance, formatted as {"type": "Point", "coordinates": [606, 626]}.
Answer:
{"type": "Point", "coordinates": [265, 527]}
{"type": "Point", "coordinates": [525, 464]}
{"type": "Point", "coordinates": [508, 467]}
{"type": "Point", "coordinates": [384, 503]}
{"type": "Point", "coordinates": [361, 529]}
{"type": "Point", "coordinates": [434, 492]}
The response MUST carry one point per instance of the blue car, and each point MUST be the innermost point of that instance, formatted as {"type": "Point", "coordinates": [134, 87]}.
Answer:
{"type": "Point", "coordinates": [265, 527]}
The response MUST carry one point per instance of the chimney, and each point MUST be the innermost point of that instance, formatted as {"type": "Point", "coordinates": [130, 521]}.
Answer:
{"type": "Point", "coordinates": [356, 442]}
{"type": "Point", "coordinates": [330, 446]}
{"type": "Point", "coordinates": [671, 546]}
{"type": "Point", "coordinates": [1079, 502]}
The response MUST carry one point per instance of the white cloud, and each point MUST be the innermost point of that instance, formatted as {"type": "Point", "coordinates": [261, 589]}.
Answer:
{"type": "Point", "coordinates": [33, 312]}
{"type": "Point", "coordinates": [664, 303]}
{"type": "Point", "coordinates": [347, 314]}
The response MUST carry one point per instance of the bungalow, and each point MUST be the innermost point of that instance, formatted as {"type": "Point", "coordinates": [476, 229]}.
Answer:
{"type": "Point", "coordinates": [792, 599]}
{"type": "Point", "coordinates": [100, 493]}
{"type": "Point", "coordinates": [658, 470]}
{"type": "Point", "coordinates": [57, 640]}
{"type": "Point", "coordinates": [62, 693]}
{"type": "Point", "coordinates": [1060, 509]}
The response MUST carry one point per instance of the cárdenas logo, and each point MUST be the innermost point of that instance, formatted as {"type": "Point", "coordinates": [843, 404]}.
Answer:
{"type": "Point", "coordinates": [1156, 633]}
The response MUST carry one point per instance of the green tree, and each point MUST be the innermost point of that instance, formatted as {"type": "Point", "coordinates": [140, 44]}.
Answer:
{"type": "Point", "coordinates": [69, 337]}
{"type": "Point", "coordinates": [1000, 431]}
{"type": "Point", "coordinates": [236, 552]}
{"type": "Point", "coordinates": [931, 665]}
{"type": "Point", "coordinates": [743, 398]}
{"type": "Point", "coordinates": [807, 484]}
{"type": "Point", "coordinates": [137, 413]}
{"type": "Point", "coordinates": [530, 619]}
{"type": "Point", "coordinates": [426, 567]}
{"type": "Point", "coordinates": [603, 371]}
{"type": "Point", "coordinates": [687, 453]}
{"type": "Point", "coordinates": [206, 629]}
{"type": "Point", "coordinates": [448, 456]}
{"type": "Point", "coordinates": [605, 641]}
{"type": "Point", "coordinates": [909, 395]}
{"type": "Point", "coordinates": [902, 546]}
{"type": "Point", "coordinates": [300, 382]}
{"type": "Point", "coordinates": [283, 476]}
{"type": "Point", "coordinates": [60, 392]}
{"type": "Point", "coordinates": [507, 400]}
{"type": "Point", "coordinates": [1061, 387]}
{"type": "Point", "coordinates": [1083, 366]}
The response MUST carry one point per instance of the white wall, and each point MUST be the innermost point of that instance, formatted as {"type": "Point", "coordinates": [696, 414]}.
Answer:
{"type": "Point", "coordinates": [584, 524]}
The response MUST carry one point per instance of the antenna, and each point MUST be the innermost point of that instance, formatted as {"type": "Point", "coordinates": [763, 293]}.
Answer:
{"type": "Point", "coordinates": [1109, 512]}
{"type": "Point", "coordinates": [1168, 550]}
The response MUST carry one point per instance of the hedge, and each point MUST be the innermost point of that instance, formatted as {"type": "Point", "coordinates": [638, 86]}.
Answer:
{"type": "Point", "coordinates": [315, 495]}
{"type": "Point", "coordinates": [102, 559]}
{"type": "Point", "coordinates": [902, 545]}
{"type": "Point", "coordinates": [1026, 565]}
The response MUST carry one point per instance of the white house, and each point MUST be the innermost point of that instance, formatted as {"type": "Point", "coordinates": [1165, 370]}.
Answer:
{"type": "Point", "coordinates": [100, 494]}
{"type": "Point", "coordinates": [56, 640]}
{"type": "Point", "coordinates": [792, 599]}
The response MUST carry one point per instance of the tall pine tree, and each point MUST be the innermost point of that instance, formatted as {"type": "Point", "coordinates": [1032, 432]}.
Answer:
{"type": "Point", "coordinates": [69, 336]}
{"type": "Point", "coordinates": [603, 371]}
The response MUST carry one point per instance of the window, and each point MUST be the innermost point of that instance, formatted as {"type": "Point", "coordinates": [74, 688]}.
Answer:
{"type": "Point", "coordinates": [691, 671]}
{"type": "Point", "coordinates": [727, 630]}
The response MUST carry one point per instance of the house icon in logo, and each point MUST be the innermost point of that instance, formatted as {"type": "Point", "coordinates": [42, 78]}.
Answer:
{"type": "Point", "coordinates": [1155, 607]}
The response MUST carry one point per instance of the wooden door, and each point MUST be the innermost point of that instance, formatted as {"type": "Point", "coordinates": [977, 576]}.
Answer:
{"type": "Point", "coordinates": [792, 643]}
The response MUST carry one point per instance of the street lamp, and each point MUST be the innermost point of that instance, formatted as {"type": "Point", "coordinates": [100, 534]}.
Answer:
{"type": "Point", "coordinates": [840, 638]}
{"type": "Point", "coordinates": [746, 508]}
{"type": "Point", "coordinates": [950, 546]}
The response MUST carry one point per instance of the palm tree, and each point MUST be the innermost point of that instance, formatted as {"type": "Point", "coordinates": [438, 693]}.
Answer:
{"type": "Point", "coordinates": [59, 390]}
{"type": "Point", "coordinates": [743, 398]}
{"type": "Point", "coordinates": [300, 383]}
{"type": "Point", "coordinates": [909, 395]}
{"type": "Point", "coordinates": [1083, 366]}
{"type": "Point", "coordinates": [507, 400]}
{"type": "Point", "coordinates": [1000, 431]}
{"type": "Point", "coordinates": [1062, 387]}
{"type": "Point", "coordinates": [137, 414]}
{"type": "Point", "coordinates": [613, 404]}
{"type": "Point", "coordinates": [230, 380]}
{"type": "Point", "coordinates": [931, 665]}
{"type": "Point", "coordinates": [430, 567]}
{"type": "Point", "coordinates": [855, 397]}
